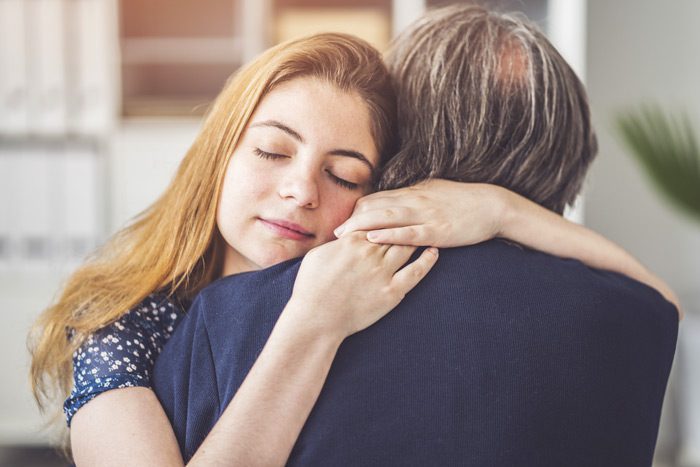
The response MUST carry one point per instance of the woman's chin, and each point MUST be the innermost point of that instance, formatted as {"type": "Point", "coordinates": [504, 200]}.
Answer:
{"type": "Point", "coordinates": [268, 260]}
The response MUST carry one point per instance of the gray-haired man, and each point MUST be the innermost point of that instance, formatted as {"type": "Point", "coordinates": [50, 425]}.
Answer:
{"type": "Point", "coordinates": [501, 356]}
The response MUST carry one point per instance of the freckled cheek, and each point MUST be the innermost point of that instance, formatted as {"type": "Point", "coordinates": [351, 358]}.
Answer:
{"type": "Point", "coordinates": [240, 197]}
{"type": "Point", "coordinates": [241, 193]}
{"type": "Point", "coordinates": [340, 213]}
{"type": "Point", "coordinates": [253, 191]}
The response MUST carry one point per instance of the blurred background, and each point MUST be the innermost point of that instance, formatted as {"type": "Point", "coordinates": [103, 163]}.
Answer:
{"type": "Point", "coordinates": [100, 99]}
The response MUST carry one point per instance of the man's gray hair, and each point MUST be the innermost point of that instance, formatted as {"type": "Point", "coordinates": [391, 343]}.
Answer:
{"type": "Point", "coordinates": [484, 97]}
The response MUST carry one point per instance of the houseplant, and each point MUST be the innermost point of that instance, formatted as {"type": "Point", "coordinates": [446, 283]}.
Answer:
{"type": "Point", "coordinates": [667, 148]}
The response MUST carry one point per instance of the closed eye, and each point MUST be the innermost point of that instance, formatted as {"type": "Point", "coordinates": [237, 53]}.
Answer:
{"type": "Point", "coordinates": [341, 182]}
{"type": "Point", "coordinates": [337, 180]}
{"type": "Point", "coordinates": [267, 155]}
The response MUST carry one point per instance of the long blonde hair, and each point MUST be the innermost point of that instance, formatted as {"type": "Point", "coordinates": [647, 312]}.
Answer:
{"type": "Point", "coordinates": [174, 246]}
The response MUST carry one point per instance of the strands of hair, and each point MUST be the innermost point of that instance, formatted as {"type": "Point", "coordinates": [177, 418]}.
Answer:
{"type": "Point", "coordinates": [484, 97]}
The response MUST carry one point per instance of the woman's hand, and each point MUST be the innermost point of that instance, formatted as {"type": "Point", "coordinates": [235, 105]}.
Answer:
{"type": "Point", "coordinates": [342, 287]}
{"type": "Point", "coordinates": [348, 284]}
{"type": "Point", "coordinates": [443, 213]}
{"type": "Point", "coordinates": [436, 212]}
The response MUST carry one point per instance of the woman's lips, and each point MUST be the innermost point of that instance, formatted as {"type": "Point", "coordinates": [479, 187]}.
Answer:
{"type": "Point", "coordinates": [286, 229]}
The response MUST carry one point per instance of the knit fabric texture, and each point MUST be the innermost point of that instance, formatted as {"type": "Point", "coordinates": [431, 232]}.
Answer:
{"type": "Point", "coordinates": [501, 356]}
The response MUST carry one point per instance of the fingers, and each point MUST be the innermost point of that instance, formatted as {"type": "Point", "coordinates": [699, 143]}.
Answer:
{"type": "Point", "coordinates": [397, 255]}
{"type": "Point", "coordinates": [372, 199]}
{"type": "Point", "coordinates": [408, 277]}
{"type": "Point", "coordinates": [358, 242]}
{"type": "Point", "coordinates": [414, 235]}
{"type": "Point", "coordinates": [382, 218]}
{"type": "Point", "coordinates": [388, 199]}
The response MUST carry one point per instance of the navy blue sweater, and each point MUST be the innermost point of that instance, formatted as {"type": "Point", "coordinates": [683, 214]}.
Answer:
{"type": "Point", "coordinates": [501, 356]}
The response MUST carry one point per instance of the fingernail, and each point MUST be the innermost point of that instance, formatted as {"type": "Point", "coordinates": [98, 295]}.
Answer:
{"type": "Point", "coordinates": [373, 236]}
{"type": "Point", "coordinates": [433, 250]}
{"type": "Point", "coordinates": [339, 230]}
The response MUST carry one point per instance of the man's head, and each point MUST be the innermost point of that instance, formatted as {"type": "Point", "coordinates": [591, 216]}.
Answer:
{"type": "Point", "coordinates": [484, 97]}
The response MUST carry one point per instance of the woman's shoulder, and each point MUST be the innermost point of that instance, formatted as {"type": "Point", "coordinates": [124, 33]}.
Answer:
{"type": "Point", "coordinates": [157, 313]}
{"type": "Point", "coordinates": [123, 353]}
{"type": "Point", "coordinates": [146, 327]}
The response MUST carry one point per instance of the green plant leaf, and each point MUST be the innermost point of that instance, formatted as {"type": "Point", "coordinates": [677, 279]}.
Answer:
{"type": "Point", "coordinates": [668, 150]}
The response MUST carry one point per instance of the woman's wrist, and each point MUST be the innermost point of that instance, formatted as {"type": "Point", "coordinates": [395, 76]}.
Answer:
{"type": "Point", "coordinates": [306, 321]}
{"type": "Point", "coordinates": [508, 213]}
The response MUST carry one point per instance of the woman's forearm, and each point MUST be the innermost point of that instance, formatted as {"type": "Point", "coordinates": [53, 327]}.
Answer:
{"type": "Point", "coordinates": [536, 227]}
{"type": "Point", "coordinates": [342, 287]}
{"type": "Point", "coordinates": [264, 419]}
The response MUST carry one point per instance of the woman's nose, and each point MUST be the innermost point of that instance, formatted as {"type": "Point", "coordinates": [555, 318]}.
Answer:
{"type": "Point", "coordinates": [301, 186]}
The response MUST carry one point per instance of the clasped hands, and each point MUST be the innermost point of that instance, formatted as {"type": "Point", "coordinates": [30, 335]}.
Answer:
{"type": "Point", "coordinates": [437, 212]}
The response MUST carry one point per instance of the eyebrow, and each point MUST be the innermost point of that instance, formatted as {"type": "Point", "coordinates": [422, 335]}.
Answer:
{"type": "Point", "coordinates": [354, 154]}
{"type": "Point", "coordinates": [334, 152]}
{"type": "Point", "coordinates": [279, 126]}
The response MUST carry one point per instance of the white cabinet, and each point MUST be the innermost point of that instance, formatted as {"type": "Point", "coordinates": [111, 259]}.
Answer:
{"type": "Point", "coordinates": [13, 68]}
{"type": "Point", "coordinates": [58, 109]}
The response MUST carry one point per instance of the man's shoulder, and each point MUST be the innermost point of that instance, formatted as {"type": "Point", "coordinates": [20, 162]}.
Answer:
{"type": "Point", "coordinates": [252, 285]}
{"type": "Point", "coordinates": [241, 302]}
{"type": "Point", "coordinates": [495, 273]}
{"type": "Point", "coordinates": [503, 271]}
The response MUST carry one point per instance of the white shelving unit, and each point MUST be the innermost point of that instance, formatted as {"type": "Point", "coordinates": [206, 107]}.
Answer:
{"type": "Point", "coordinates": [58, 110]}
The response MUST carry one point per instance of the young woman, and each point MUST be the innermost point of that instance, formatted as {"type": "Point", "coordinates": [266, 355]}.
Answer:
{"type": "Point", "coordinates": [291, 144]}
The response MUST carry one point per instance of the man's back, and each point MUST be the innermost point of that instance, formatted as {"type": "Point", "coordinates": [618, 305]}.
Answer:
{"type": "Point", "coordinates": [501, 356]}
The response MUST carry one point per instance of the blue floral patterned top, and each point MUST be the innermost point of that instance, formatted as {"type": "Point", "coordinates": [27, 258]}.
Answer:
{"type": "Point", "coordinates": [122, 354]}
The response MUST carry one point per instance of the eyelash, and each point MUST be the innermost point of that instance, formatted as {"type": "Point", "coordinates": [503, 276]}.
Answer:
{"type": "Point", "coordinates": [267, 155]}
{"type": "Point", "coordinates": [337, 180]}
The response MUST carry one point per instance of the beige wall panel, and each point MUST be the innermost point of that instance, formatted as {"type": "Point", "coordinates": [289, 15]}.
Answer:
{"type": "Point", "coordinates": [371, 24]}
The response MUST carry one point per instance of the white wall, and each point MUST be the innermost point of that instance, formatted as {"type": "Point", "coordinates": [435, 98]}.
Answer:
{"type": "Point", "coordinates": [145, 155]}
{"type": "Point", "coordinates": [641, 51]}
{"type": "Point", "coordinates": [23, 295]}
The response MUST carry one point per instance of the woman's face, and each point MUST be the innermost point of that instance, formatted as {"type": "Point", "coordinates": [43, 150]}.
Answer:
{"type": "Point", "coordinates": [305, 157]}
